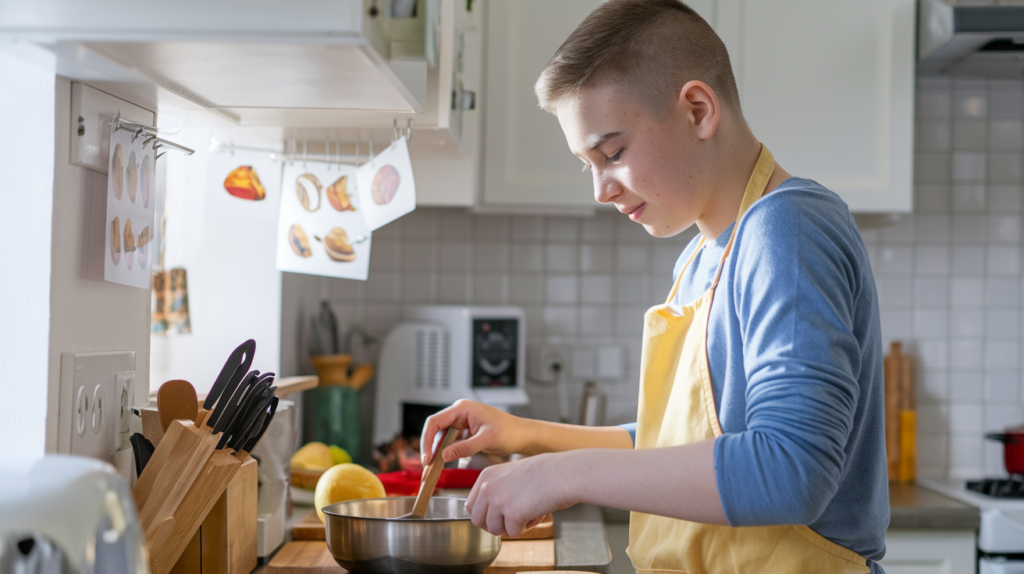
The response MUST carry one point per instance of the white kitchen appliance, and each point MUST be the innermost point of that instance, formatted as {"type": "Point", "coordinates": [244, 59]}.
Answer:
{"type": "Point", "coordinates": [67, 514]}
{"type": "Point", "coordinates": [1000, 503]}
{"type": "Point", "coordinates": [442, 353]}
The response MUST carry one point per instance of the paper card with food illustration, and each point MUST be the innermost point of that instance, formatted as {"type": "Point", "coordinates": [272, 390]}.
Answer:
{"type": "Point", "coordinates": [321, 230]}
{"type": "Point", "coordinates": [243, 185]}
{"type": "Point", "coordinates": [386, 185]}
{"type": "Point", "coordinates": [130, 211]}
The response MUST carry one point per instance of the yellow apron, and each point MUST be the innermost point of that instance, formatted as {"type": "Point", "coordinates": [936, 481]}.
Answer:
{"type": "Point", "coordinates": [677, 407]}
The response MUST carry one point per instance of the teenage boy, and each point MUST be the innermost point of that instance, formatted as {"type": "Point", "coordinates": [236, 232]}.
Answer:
{"type": "Point", "coordinates": [759, 443]}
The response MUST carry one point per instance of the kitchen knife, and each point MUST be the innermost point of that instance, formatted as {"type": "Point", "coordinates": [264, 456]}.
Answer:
{"type": "Point", "coordinates": [254, 439]}
{"type": "Point", "coordinates": [240, 359]}
{"type": "Point", "coordinates": [246, 393]}
{"type": "Point", "coordinates": [252, 423]}
{"type": "Point", "coordinates": [221, 415]}
{"type": "Point", "coordinates": [241, 414]}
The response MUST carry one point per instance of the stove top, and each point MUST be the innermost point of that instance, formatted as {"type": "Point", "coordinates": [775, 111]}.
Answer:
{"type": "Point", "coordinates": [1012, 487]}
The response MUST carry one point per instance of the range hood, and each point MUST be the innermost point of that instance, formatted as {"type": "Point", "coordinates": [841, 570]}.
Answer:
{"type": "Point", "coordinates": [982, 41]}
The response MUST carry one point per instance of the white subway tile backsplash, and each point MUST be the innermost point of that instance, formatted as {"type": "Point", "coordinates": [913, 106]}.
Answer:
{"type": "Point", "coordinates": [454, 224]}
{"type": "Point", "coordinates": [968, 259]}
{"type": "Point", "coordinates": [933, 386]}
{"type": "Point", "coordinates": [1003, 260]}
{"type": "Point", "coordinates": [931, 198]}
{"type": "Point", "coordinates": [453, 288]}
{"type": "Point", "coordinates": [382, 286]}
{"type": "Point", "coordinates": [527, 289]}
{"type": "Point", "coordinates": [965, 455]}
{"type": "Point", "coordinates": [418, 287]}
{"type": "Point", "coordinates": [934, 103]}
{"type": "Point", "coordinates": [633, 258]}
{"type": "Point", "coordinates": [562, 289]}
{"type": "Point", "coordinates": [419, 255]}
{"type": "Point", "coordinates": [527, 229]}
{"type": "Point", "coordinates": [598, 229]}
{"type": "Point", "coordinates": [420, 224]}
{"type": "Point", "coordinates": [933, 135]}
{"type": "Point", "coordinates": [930, 259]}
{"type": "Point", "coordinates": [633, 289]}
{"type": "Point", "coordinates": [596, 322]}
{"type": "Point", "coordinates": [596, 289]}
{"type": "Point", "coordinates": [490, 256]}
{"type": "Point", "coordinates": [1003, 134]}
{"type": "Point", "coordinates": [896, 259]}
{"type": "Point", "coordinates": [562, 229]}
{"type": "Point", "coordinates": [931, 323]}
{"type": "Point", "coordinates": [495, 228]}
{"type": "Point", "coordinates": [1004, 166]}
{"type": "Point", "coordinates": [490, 288]}
{"type": "Point", "coordinates": [1002, 388]}
{"type": "Point", "coordinates": [968, 198]}
{"type": "Point", "coordinates": [969, 166]}
{"type": "Point", "coordinates": [561, 257]}
{"type": "Point", "coordinates": [1004, 228]}
{"type": "Point", "coordinates": [384, 254]}
{"type": "Point", "coordinates": [1002, 355]}
{"type": "Point", "coordinates": [999, 417]}
{"type": "Point", "coordinates": [453, 255]}
{"type": "Point", "coordinates": [966, 292]}
{"type": "Point", "coordinates": [527, 256]}
{"type": "Point", "coordinates": [932, 167]}
{"type": "Point", "coordinates": [932, 453]}
{"type": "Point", "coordinates": [560, 320]}
{"type": "Point", "coordinates": [965, 419]}
{"type": "Point", "coordinates": [937, 228]}
{"type": "Point", "coordinates": [967, 354]}
{"type": "Point", "coordinates": [1002, 324]}
{"type": "Point", "coordinates": [970, 103]}
{"type": "Point", "coordinates": [969, 228]}
{"type": "Point", "coordinates": [968, 134]}
{"type": "Point", "coordinates": [968, 323]}
{"type": "Point", "coordinates": [1004, 198]}
{"type": "Point", "coordinates": [931, 292]}
{"type": "Point", "coordinates": [1004, 103]}
{"type": "Point", "coordinates": [597, 258]}
{"type": "Point", "coordinates": [896, 290]}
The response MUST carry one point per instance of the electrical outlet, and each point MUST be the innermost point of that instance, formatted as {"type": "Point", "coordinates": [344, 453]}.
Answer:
{"type": "Point", "coordinates": [546, 362]}
{"type": "Point", "coordinates": [96, 394]}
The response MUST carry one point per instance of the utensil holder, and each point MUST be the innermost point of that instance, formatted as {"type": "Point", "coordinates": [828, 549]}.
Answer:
{"type": "Point", "coordinates": [332, 416]}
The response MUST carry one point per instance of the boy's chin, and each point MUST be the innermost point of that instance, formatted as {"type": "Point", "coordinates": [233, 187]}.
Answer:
{"type": "Point", "coordinates": [664, 230]}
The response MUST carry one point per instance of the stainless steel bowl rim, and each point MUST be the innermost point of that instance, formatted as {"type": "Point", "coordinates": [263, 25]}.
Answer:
{"type": "Point", "coordinates": [326, 510]}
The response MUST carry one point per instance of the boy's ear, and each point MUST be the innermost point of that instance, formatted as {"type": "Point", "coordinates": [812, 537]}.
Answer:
{"type": "Point", "coordinates": [700, 106]}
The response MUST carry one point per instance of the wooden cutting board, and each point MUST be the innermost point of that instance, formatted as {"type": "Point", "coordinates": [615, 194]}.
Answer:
{"type": "Point", "coordinates": [313, 557]}
{"type": "Point", "coordinates": [310, 528]}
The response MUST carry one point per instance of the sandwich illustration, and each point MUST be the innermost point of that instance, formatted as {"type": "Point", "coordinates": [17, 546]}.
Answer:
{"type": "Point", "coordinates": [308, 187]}
{"type": "Point", "coordinates": [133, 177]}
{"type": "Point", "coordinates": [243, 183]}
{"type": "Point", "coordinates": [117, 172]}
{"type": "Point", "coordinates": [115, 240]}
{"type": "Point", "coordinates": [337, 245]}
{"type": "Point", "coordinates": [337, 194]}
{"type": "Point", "coordinates": [385, 185]}
{"type": "Point", "coordinates": [299, 242]}
{"type": "Point", "coordinates": [129, 243]}
{"type": "Point", "coordinates": [143, 246]}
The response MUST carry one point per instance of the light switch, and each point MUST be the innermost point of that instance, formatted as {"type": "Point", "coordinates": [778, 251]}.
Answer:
{"type": "Point", "coordinates": [96, 395]}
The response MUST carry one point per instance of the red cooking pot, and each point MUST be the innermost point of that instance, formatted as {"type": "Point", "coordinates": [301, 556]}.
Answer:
{"type": "Point", "coordinates": [1013, 448]}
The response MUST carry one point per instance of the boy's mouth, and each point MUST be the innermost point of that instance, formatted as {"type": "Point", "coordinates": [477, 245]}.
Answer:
{"type": "Point", "coordinates": [634, 213]}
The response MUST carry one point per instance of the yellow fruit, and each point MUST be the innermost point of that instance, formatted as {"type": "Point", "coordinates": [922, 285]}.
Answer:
{"type": "Point", "coordinates": [345, 482]}
{"type": "Point", "coordinates": [313, 456]}
{"type": "Point", "coordinates": [340, 455]}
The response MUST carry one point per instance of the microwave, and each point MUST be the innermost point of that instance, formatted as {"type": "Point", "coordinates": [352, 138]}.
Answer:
{"type": "Point", "coordinates": [439, 354]}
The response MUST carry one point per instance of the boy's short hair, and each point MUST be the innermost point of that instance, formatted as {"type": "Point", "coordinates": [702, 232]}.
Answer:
{"type": "Point", "coordinates": [650, 48]}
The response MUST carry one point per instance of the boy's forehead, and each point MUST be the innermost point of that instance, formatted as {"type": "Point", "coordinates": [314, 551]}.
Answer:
{"type": "Point", "coordinates": [591, 114]}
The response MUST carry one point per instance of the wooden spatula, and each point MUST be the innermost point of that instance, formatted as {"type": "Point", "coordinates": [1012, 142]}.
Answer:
{"type": "Point", "coordinates": [176, 400]}
{"type": "Point", "coordinates": [431, 475]}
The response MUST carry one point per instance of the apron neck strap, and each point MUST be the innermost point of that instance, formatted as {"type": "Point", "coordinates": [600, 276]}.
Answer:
{"type": "Point", "coordinates": [756, 186]}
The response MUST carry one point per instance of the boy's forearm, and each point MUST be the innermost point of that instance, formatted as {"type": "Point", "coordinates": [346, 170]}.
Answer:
{"type": "Point", "coordinates": [678, 482]}
{"type": "Point", "coordinates": [540, 437]}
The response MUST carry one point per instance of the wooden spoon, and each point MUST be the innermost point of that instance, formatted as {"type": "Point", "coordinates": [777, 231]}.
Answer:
{"type": "Point", "coordinates": [430, 476]}
{"type": "Point", "coordinates": [176, 400]}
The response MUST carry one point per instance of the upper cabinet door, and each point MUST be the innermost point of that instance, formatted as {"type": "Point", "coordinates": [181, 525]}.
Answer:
{"type": "Point", "coordinates": [527, 161]}
{"type": "Point", "coordinates": [828, 87]}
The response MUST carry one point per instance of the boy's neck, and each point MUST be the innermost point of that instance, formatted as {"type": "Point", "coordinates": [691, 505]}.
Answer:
{"type": "Point", "coordinates": [735, 163]}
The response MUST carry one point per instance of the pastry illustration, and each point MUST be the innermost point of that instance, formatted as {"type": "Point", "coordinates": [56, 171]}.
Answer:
{"type": "Point", "coordinates": [299, 242]}
{"type": "Point", "coordinates": [385, 185]}
{"type": "Point", "coordinates": [309, 188]}
{"type": "Point", "coordinates": [144, 184]}
{"type": "Point", "coordinates": [337, 194]}
{"type": "Point", "coordinates": [117, 172]}
{"type": "Point", "coordinates": [337, 246]}
{"type": "Point", "coordinates": [132, 177]}
{"type": "Point", "coordinates": [243, 183]}
{"type": "Point", "coordinates": [143, 246]}
{"type": "Point", "coordinates": [129, 243]}
{"type": "Point", "coordinates": [115, 240]}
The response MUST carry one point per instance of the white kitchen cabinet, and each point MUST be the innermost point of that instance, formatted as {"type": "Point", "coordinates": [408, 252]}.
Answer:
{"type": "Point", "coordinates": [828, 86]}
{"type": "Point", "coordinates": [929, 552]}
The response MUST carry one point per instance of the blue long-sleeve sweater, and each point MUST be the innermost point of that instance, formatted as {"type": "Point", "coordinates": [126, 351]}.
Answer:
{"type": "Point", "coordinates": [795, 350]}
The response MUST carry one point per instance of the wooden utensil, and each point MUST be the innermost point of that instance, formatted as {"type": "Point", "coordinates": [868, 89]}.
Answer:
{"type": "Point", "coordinates": [430, 476]}
{"type": "Point", "coordinates": [908, 421]}
{"type": "Point", "coordinates": [893, 404]}
{"type": "Point", "coordinates": [176, 400]}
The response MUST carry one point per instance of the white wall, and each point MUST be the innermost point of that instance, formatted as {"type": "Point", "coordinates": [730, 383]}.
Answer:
{"type": "Point", "coordinates": [86, 313]}
{"type": "Point", "coordinates": [234, 285]}
{"type": "Point", "coordinates": [26, 165]}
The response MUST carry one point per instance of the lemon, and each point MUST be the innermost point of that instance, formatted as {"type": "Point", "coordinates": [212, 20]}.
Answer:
{"type": "Point", "coordinates": [314, 456]}
{"type": "Point", "coordinates": [345, 482]}
{"type": "Point", "coordinates": [340, 455]}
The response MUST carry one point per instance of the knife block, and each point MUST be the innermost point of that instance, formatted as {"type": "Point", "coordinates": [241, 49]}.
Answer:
{"type": "Point", "coordinates": [227, 539]}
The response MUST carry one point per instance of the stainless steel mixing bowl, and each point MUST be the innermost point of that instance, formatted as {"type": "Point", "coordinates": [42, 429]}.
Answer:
{"type": "Point", "coordinates": [367, 536]}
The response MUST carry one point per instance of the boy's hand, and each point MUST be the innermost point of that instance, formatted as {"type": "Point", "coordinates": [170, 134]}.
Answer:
{"type": "Point", "coordinates": [512, 497]}
{"type": "Point", "coordinates": [484, 429]}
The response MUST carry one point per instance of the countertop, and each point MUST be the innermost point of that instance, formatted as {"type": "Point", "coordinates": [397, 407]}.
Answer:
{"type": "Point", "coordinates": [915, 507]}
{"type": "Point", "coordinates": [910, 507]}
{"type": "Point", "coordinates": [580, 540]}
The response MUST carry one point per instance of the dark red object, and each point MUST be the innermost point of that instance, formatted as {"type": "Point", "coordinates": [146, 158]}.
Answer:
{"type": "Point", "coordinates": [407, 483]}
{"type": "Point", "coordinates": [1013, 448]}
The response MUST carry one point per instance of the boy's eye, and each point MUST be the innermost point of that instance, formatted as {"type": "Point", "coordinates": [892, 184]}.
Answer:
{"type": "Point", "coordinates": [615, 158]}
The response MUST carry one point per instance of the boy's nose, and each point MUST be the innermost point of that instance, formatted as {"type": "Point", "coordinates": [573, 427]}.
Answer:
{"type": "Point", "coordinates": [606, 189]}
